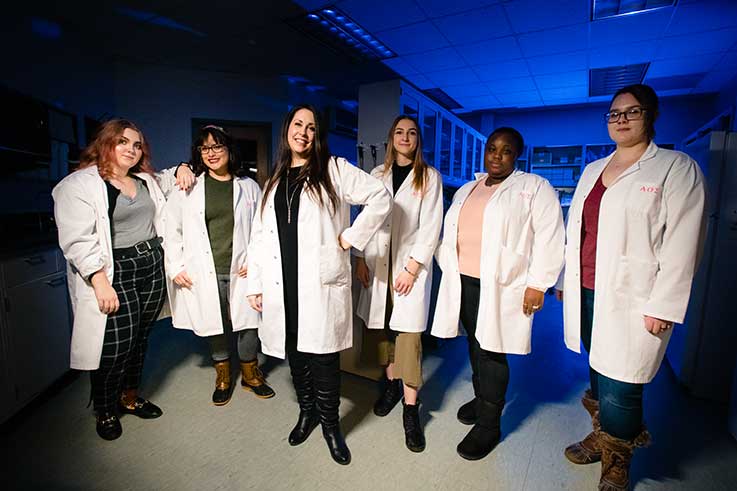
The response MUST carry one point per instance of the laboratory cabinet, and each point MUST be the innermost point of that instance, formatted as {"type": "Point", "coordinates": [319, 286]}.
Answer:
{"type": "Point", "coordinates": [35, 326]}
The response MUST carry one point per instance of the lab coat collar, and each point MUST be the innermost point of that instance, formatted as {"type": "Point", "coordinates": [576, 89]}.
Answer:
{"type": "Point", "coordinates": [389, 184]}
{"type": "Point", "coordinates": [650, 152]}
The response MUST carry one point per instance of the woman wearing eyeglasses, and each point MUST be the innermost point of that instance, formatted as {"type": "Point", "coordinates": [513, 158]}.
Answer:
{"type": "Point", "coordinates": [207, 235]}
{"type": "Point", "coordinates": [299, 273]}
{"type": "Point", "coordinates": [633, 237]}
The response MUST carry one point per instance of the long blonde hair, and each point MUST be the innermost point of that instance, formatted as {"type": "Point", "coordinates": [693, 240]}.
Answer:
{"type": "Point", "coordinates": [419, 165]}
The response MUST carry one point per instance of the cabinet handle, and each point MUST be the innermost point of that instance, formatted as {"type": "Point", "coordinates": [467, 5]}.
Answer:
{"type": "Point", "coordinates": [35, 260]}
{"type": "Point", "coordinates": [56, 282]}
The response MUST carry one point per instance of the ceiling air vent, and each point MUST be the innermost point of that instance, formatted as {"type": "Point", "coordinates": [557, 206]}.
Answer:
{"type": "Point", "coordinates": [602, 9]}
{"type": "Point", "coordinates": [440, 96]}
{"type": "Point", "coordinates": [606, 81]}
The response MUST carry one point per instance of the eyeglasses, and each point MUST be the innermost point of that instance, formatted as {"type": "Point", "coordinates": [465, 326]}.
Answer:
{"type": "Point", "coordinates": [204, 149]}
{"type": "Point", "coordinates": [631, 114]}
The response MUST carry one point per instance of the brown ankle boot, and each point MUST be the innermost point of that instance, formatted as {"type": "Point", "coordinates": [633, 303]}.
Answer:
{"type": "Point", "coordinates": [252, 379]}
{"type": "Point", "coordinates": [616, 456]}
{"type": "Point", "coordinates": [222, 393]}
{"type": "Point", "coordinates": [588, 450]}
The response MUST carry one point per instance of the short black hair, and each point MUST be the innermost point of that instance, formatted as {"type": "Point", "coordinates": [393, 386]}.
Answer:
{"type": "Point", "coordinates": [648, 99]}
{"type": "Point", "coordinates": [519, 142]}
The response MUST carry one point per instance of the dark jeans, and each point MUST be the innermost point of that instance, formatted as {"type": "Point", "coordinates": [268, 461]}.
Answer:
{"type": "Point", "coordinates": [221, 344]}
{"type": "Point", "coordinates": [620, 403]}
{"type": "Point", "coordinates": [490, 370]}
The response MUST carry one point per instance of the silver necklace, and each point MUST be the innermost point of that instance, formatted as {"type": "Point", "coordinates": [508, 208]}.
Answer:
{"type": "Point", "coordinates": [289, 199]}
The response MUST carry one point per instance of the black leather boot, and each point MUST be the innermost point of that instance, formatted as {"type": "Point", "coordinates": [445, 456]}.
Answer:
{"type": "Point", "coordinates": [413, 436]}
{"type": "Point", "coordinates": [308, 418]}
{"type": "Point", "coordinates": [326, 369]}
{"type": "Point", "coordinates": [221, 394]}
{"type": "Point", "coordinates": [389, 398]}
{"type": "Point", "coordinates": [485, 434]}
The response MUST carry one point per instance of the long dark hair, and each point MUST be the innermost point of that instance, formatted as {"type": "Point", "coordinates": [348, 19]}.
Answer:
{"type": "Point", "coordinates": [221, 137]}
{"type": "Point", "coordinates": [314, 173]}
{"type": "Point", "coordinates": [419, 166]}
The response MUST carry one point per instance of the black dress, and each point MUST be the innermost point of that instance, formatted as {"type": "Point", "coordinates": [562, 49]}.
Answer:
{"type": "Point", "coordinates": [286, 223]}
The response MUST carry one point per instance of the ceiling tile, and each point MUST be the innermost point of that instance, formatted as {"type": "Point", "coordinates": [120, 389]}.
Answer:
{"type": "Point", "coordinates": [526, 97]}
{"type": "Point", "coordinates": [629, 28]}
{"type": "Point", "coordinates": [502, 69]}
{"type": "Point", "coordinates": [534, 15]}
{"type": "Point", "coordinates": [457, 76]}
{"type": "Point", "coordinates": [681, 66]}
{"type": "Point", "coordinates": [507, 85]}
{"type": "Point", "coordinates": [560, 40]}
{"type": "Point", "coordinates": [380, 15]}
{"type": "Point", "coordinates": [572, 92]}
{"type": "Point", "coordinates": [566, 79]}
{"type": "Point", "coordinates": [467, 90]}
{"type": "Point", "coordinates": [439, 59]}
{"type": "Point", "coordinates": [543, 65]}
{"type": "Point", "coordinates": [438, 8]}
{"type": "Point", "coordinates": [621, 54]}
{"type": "Point", "coordinates": [482, 102]}
{"type": "Point", "coordinates": [717, 80]}
{"type": "Point", "coordinates": [400, 65]}
{"type": "Point", "coordinates": [420, 81]}
{"type": "Point", "coordinates": [475, 25]}
{"type": "Point", "coordinates": [415, 38]}
{"type": "Point", "coordinates": [696, 44]}
{"type": "Point", "coordinates": [705, 15]}
{"type": "Point", "coordinates": [489, 51]}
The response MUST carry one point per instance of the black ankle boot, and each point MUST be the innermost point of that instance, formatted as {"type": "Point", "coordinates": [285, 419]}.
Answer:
{"type": "Point", "coordinates": [467, 412]}
{"type": "Point", "coordinates": [485, 434]}
{"type": "Point", "coordinates": [108, 425]}
{"type": "Point", "coordinates": [307, 421]}
{"type": "Point", "coordinates": [413, 436]}
{"type": "Point", "coordinates": [336, 444]}
{"type": "Point", "coordinates": [389, 398]}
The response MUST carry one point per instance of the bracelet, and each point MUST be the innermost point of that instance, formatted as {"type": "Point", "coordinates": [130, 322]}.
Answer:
{"type": "Point", "coordinates": [414, 275]}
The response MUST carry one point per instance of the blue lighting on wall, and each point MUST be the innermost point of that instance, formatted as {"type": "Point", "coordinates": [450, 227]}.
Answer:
{"type": "Point", "coordinates": [45, 28]}
{"type": "Point", "coordinates": [347, 32]}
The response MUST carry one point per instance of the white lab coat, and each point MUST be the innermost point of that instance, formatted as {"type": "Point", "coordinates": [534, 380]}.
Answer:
{"type": "Point", "coordinates": [521, 246]}
{"type": "Point", "coordinates": [188, 249]}
{"type": "Point", "coordinates": [81, 211]}
{"type": "Point", "coordinates": [650, 223]}
{"type": "Point", "coordinates": [412, 229]}
{"type": "Point", "coordinates": [324, 271]}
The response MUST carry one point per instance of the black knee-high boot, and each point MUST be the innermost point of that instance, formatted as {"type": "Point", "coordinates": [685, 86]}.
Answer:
{"type": "Point", "coordinates": [299, 365]}
{"type": "Point", "coordinates": [326, 376]}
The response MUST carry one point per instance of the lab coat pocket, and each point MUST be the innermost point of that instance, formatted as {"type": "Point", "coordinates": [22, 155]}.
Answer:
{"type": "Point", "coordinates": [635, 277]}
{"type": "Point", "coordinates": [512, 268]}
{"type": "Point", "coordinates": [334, 268]}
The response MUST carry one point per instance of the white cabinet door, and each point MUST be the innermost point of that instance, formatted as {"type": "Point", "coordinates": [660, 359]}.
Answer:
{"type": "Point", "coordinates": [38, 334]}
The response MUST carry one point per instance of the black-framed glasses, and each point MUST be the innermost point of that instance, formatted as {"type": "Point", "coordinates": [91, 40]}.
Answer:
{"type": "Point", "coordinates": [217, 149]}
{"type": "Point", "coordinates": [632, 114]}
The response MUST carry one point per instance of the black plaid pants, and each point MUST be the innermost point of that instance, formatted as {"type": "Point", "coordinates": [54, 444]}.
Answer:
{"type": "Point", "coordinates": [139, 283]}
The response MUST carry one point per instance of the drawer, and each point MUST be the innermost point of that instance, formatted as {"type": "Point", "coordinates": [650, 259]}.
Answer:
{"type": "Point", "coordinates": [28, 267]}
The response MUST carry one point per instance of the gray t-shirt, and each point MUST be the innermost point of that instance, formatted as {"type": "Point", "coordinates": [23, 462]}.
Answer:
{"type": "Point", "coordinates": [133, 219]}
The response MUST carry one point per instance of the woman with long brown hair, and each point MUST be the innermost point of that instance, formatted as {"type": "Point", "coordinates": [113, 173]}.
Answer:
{"type": "Point", "coordinates": [395, 271]}
{"type": "Point", "coordinates": [299, 267]}
{"type": "Point", "coordinates": [110, 219]}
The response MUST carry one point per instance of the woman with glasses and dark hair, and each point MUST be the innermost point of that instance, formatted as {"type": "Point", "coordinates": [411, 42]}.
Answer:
{"type": "Point", "coordinates": [207, 234]}
{"type": "Point", "coordinates": [502, 248]}
{"type": "Point", "coordinates": [110, 218]}
{"type": "Point", "coordinates": [300, 274]}
{"type": "Point", "coordinates": [395, 271]}
{"type": "Point", "coordinates": [633, 237]}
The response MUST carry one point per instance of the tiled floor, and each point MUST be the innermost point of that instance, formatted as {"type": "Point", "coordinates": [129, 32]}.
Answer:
{"type": "Point", "coordinates": [243, 445]}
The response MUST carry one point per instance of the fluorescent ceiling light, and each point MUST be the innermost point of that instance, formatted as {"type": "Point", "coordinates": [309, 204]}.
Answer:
{"type": "Point", "coordinates": [602, 9]}
{"type": "Point", "coordinates": [336, 29]}
{"type": "Point", "coordinates": [606, 81]}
